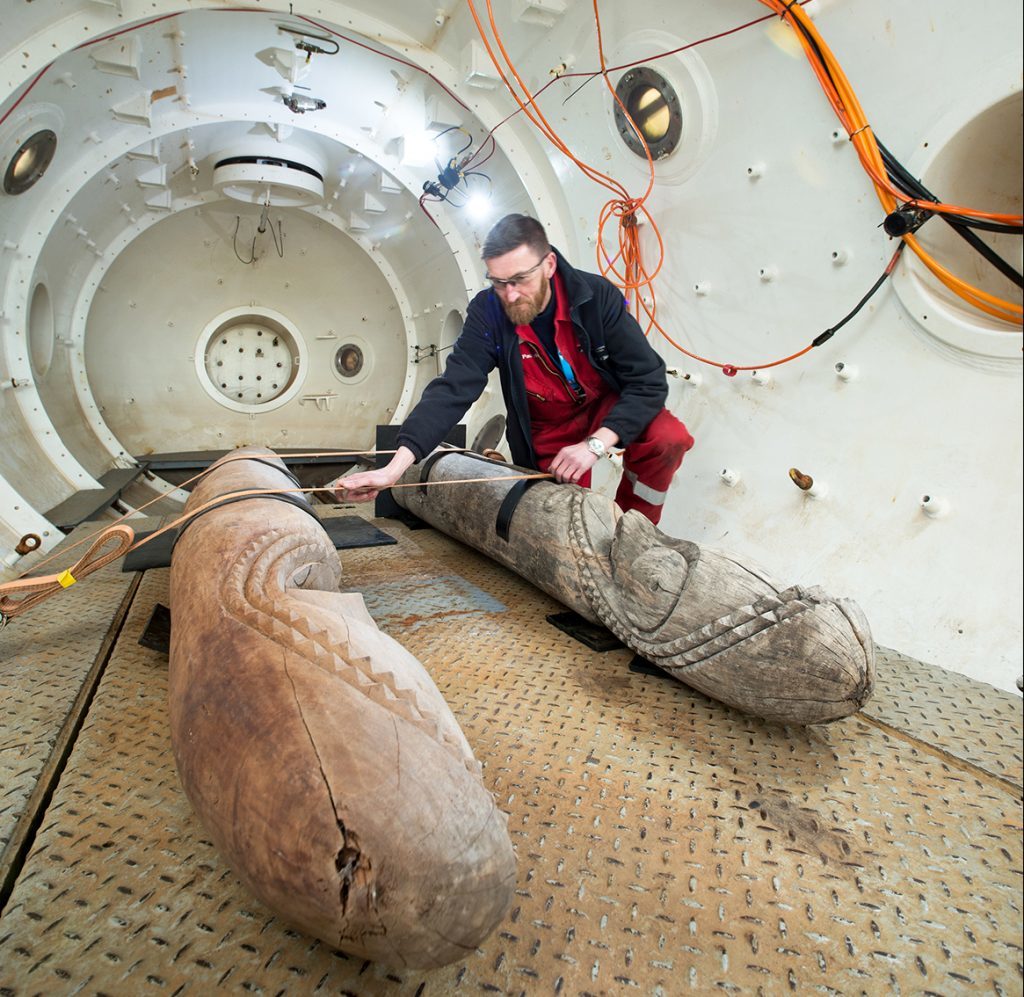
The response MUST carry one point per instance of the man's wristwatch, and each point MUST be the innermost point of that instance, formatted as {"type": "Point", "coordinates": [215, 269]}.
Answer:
{"type": "Point", "coordinates": [595, 446]}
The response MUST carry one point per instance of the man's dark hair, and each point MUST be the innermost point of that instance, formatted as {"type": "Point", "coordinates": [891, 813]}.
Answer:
{"type": "Point", "coordinates": [514, 231]}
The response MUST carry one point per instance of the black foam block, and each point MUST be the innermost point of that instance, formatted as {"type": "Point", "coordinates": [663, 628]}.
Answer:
{"type": "Point", "coordinates": [593, 635]}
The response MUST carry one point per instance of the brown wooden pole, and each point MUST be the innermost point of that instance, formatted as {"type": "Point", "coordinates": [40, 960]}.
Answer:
{"type": "Point", "coordinates": [789, 654]}
{"type": "Point", "coordinates": [317, 752]}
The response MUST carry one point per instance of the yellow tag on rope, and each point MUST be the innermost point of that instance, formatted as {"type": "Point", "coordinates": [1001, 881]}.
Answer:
{"type": "Point", "coordinates": [66, 579]}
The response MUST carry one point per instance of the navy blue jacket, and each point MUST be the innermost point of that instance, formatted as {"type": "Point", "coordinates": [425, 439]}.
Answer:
{"type": "Point", "coordinates": [611, 338]}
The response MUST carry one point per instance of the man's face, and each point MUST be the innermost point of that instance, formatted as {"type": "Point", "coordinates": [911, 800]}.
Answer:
{"type": "Point", "coordinates": [522, 282]}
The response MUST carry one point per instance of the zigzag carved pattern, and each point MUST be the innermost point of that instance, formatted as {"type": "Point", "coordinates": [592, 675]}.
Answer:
{"type": "Point", "coordinates": [253, 594]}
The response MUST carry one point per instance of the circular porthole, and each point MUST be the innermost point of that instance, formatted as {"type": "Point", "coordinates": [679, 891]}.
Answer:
{"type": "Point", "coordinates": [348, 361]}
{"type": "Point", "coordinates": [652, 104]}
{"type": "Point", "coordinates": [674, 106]}
{"type": "Point", "coordinates": [250, 361]}
{"type": "Point", "coordinates": [29, 162]}
{"type": "Point", "coordinates": [353, 361]}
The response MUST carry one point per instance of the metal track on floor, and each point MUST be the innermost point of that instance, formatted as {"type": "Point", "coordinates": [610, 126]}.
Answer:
{"type": "Point", "coordinates": [665, 844]}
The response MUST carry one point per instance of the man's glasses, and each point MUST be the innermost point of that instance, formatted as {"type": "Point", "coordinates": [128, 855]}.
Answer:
{"type": "Point", "coordinates": [498, 283]}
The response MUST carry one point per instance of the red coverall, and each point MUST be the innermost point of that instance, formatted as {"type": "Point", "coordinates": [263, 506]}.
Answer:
{"type": "Point", "coordinates": [562, 414]}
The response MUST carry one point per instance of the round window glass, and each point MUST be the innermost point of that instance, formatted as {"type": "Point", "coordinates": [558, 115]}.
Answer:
{"type": "Point", "coordinates": [29, 163]}
{"type": "Point", "coordinates": [653, 106]}
{"type": "Point", "coordinates": [348, 361]}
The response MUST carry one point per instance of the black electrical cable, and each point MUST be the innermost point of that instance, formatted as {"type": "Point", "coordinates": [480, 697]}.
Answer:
{"type": "Point", "coordinates": [889, 267]}
{"type": "Point", "coordinates": [811, 40]}
{"type": "Point", "coordinates": [234, 244]}
{"type": "Point", "coordinates": [984, 225]}
{"type": "Point", "coordinates": [278, 237]}
{"type": "Point", "coordinates": [456, 128]}
{"type": "Point", "coordinates": [898, 174]}
{"type": "Point", "coordinates": [986, 251]}
{"type": "Point", "coordinates": [913, 187]}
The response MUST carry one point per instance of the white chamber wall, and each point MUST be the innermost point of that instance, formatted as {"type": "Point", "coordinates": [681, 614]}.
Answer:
{"type": "Point", "coordinates": [771, 234]}
{"type": "Point", "coordinates": [156, 301]}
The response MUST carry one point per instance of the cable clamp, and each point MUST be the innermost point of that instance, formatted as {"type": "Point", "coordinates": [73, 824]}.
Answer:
{"type": "Point", "coordinates": [863, 128]}
{"type": "Point", "coordinates": [904, 221]}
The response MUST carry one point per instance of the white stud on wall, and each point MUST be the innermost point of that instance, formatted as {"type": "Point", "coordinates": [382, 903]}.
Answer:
{"type": "Point", "coordinates": [934, 507]}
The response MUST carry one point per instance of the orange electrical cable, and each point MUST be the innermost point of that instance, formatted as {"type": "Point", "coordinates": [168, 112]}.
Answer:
{"type": "Point", "coordinates": [625, 266]}
{"type": "Point", "coordinates": [841, 96]}
{"type": "Point", "coordinates": [631, 276]}
{"type": "Point", "coordinates": [635, 277]}
{"type": "Point", "coordinates": [529, 106]}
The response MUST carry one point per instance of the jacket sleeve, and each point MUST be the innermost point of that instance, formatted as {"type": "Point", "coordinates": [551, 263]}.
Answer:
{"type": "Point", "coordinates": [448, 397]}
{"type": "Point", "coordinates": [633, 363]}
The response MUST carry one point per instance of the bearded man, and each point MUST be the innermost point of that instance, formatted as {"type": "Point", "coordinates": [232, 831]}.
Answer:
{"type": "Point", "coordinates": [577, 374]}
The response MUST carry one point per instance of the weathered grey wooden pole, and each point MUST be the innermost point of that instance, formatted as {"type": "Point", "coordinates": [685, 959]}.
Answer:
{"type": "Point", "coordinates": [793, 655]}
{"type": "Point", "coordinates": [317, 752]}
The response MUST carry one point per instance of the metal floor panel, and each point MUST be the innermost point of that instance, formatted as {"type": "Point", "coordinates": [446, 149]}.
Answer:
{"type": "Point", "coordinates": [665, 844]}
{"type": "Point", "coordinates": [969, 720]}
{"type": "Point", "coordinates": [49, 659]}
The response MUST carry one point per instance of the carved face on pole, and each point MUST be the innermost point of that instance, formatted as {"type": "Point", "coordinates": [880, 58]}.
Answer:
{"type": "Point", "coordinates": [648, 566]}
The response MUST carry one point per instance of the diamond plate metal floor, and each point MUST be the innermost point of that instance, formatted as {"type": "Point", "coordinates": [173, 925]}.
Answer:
{"type": "Point", "coordinates": [665, 844]}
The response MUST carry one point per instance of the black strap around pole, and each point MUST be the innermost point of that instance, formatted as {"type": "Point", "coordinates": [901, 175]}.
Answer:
{"type": "Point", "coordinates": [428, 463]}
{"type": "Point", "coordinates": [503, 522]}
{"type": "Point", "coordinates": [299, 501]}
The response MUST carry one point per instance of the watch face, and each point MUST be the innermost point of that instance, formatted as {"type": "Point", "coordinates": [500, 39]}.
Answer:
{"type": "Point", "coordinates": [595, 446]}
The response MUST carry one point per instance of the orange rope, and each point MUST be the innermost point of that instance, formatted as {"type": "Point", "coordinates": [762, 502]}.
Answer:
{"type": "Point", "coordinates": [260, 492]}
{"type": "Point", "coordinates": [22, 594]}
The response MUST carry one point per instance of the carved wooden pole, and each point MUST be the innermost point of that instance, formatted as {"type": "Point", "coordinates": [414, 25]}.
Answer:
{"type": "Point", "coordinates": [317, 752]}
{"type": "Point", "coordinates": [793, 655]}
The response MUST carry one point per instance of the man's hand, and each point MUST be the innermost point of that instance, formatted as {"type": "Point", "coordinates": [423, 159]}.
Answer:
{"type": "Point", "coordinates": [571, 463]}
{"type": "Point", "coordinates": [365, 486]}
